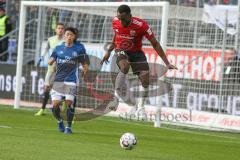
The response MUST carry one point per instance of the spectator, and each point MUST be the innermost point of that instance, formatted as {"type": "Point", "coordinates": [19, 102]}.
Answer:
{"type": "Point", "coordinates": [13, 12]}
{"type": "Point", "coordinates": [231, 76]}
{"type": "Point", "coordinates": [5, 28]}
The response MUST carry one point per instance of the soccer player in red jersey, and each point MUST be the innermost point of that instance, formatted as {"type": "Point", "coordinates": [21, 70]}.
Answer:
{"type": "Point", "coordinates": [127, 42]}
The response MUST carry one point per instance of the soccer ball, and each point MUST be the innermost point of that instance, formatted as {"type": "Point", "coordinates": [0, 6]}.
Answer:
{"type": "Point", "coordinates": [128, 141]}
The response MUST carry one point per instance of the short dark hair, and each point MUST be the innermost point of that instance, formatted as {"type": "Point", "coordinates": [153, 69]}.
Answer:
{"type": "Point", "coordinates": [60, 24]}
{"type": "Point", "coordinates": [124, 9]}
{"type": "Point", "coordinates": [76, 31]}
{"type": "Point", "coordinates": [71, 29]}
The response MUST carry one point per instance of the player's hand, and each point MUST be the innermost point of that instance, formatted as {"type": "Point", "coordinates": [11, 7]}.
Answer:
{"type": "Point", "coordinates": [170, 66]}
{"type": "Point", "coordinates": [105, 58]}
{"type": "Point", "coordinates": [39, 60]}
{"type": "Point", "coordinates": [85, 69]}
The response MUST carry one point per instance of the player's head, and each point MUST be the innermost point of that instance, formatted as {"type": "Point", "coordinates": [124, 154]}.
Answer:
{"type": "Point", "coordinates": [124, 14]}
{"type": "Point", "coordinates": [70, 35]}
{"type": "Point", "coordinates": [59, 29]}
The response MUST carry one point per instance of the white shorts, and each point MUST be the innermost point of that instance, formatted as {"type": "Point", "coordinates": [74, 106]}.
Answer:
{"type": "Point", "coordinates": [63, 89]}
{"type": "Point", "coordinates": [49, 78]}
{"type": "Point", "coordinates": [56, 96]}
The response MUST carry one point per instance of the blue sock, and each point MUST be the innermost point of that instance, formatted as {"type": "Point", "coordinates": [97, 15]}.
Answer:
{"type": "Point", "coordinates": [74, 102]}
{"type": "Point", "coordinates": [56, 113]}
{"type": "Point", "coordinates": [70, 115]}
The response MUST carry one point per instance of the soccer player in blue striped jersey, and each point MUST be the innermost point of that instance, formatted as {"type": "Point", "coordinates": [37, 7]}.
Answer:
{"type": "Point", "coordinates": [68, 55]}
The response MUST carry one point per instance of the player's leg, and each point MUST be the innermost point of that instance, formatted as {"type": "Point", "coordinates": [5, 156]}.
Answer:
{"type": "Point", "coordinates": [44, 101]}
{"type": "Point", "coordinates": [140, 67]}
{"type": "Point", "coordinates": [144, 90]}
{"type": "Point", "coordinates": [144, 78]}
{"type": "Point", "coordinates": [69, 100]}
{"type": "Point", "coordinates": [48, 83]}
{"type": "Point", "coordinates": [123, 65]}
{"type": "Point", "coordinates": [63, 105]}
{"type": "Point", "coordinates": [74, 106]}
{"type": "Point", "coordinates": [70, 112]}
{"type": "Point", "coordinates": [56, 101]}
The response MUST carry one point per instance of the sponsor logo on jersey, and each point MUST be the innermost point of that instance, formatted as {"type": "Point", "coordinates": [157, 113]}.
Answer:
{"type": "Point", "coordinates": [126, 44]}
{"type": "Point", "coordinates": [67, 57]}
{"type": "Point", "coordinates": [126, 37]}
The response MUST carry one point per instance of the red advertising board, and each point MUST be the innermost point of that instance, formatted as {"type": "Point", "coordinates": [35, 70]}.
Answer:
{"type": "Point", "coordinates": [191, 63]}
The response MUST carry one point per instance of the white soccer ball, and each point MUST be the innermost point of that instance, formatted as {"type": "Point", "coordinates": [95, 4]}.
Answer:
{"type": "Point", "coordinates": [128, 141]}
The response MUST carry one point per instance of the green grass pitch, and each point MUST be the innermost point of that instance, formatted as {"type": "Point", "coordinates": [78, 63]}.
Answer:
{"type": "Point", "coordinates": [26, 137]}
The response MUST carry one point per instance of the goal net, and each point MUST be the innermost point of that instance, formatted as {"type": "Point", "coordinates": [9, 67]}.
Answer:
{"type": "Point", "coordinates": [204, 52]}
{"type": "Point", "coordinates": [94, 22]}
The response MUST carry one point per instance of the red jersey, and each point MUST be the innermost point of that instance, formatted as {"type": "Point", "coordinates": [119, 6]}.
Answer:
{"type": "Point", "coordinates": [130, 38]}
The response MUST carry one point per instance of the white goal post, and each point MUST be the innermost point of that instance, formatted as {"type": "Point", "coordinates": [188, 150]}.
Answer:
{"type": "Point", "coordinates": [147, 11]}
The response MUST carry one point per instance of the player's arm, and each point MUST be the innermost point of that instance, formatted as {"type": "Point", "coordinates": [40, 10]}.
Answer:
{"type": "Point", "coordinates": [51, 61]}
{"type": "Point", "coordinates": [156, 45]}
{"type": "Point", "coordinates": [46, 49]}
{"type": "Point", "coordinates": [110, 48]}
{"type": "Point", "coordinates": [53, 57]}
{"type": "Point", "coordinates": [85, 68]}
{"type": "Point", "coordinates": [85, 64]}
{"type": "Point", "coordinates": [44, 53]}
{"type": "Point", "coordinates": [84, 60]}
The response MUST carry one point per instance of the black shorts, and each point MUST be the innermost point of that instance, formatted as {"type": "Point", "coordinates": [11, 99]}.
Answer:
{"type": "Point", "coordinates": [137, 60]}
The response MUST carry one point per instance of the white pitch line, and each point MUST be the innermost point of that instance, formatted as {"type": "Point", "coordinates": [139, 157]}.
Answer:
{"type": "Point", "coordinates": [5, 126]}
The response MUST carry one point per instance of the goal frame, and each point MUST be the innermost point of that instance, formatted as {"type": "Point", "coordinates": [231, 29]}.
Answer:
{"type": "Point", "coordinates": [25, 4]}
